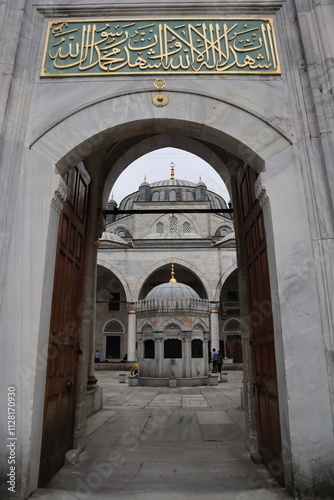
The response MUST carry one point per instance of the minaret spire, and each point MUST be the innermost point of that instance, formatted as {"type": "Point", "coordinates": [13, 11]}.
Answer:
{"type": "Point", "coordinates": [172, 280]}
{"type": "Point", "coordinates": [172, 166]}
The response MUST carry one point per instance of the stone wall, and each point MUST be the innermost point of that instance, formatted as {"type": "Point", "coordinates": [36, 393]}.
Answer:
{"type": "Point", "coordinates": [282, 126]}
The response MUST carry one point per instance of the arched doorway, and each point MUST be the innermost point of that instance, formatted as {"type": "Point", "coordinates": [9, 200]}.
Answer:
{"type": "Point", "coordinates": [113, 331]}
{"type": "Point", "coordinates": [111, 318]}
{"type": "Point", "coordinates": [207, 138]}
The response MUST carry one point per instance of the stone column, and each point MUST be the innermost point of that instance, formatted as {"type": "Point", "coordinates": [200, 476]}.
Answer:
{"type": "Point", "coordinates": [88, 326]}
{"type": "Point", "coordinates": [140, 355]}
{"type": "Point", "coordinates": [159, 355]}
{"type": "Point", "coordinates": [214, 329]}
{"type": "Point", "coordinates": [132, 328]}
{"type": "Point", "coordinates": [186, 354]}
{"type": "Point", "coordinates": [206, 353]}
{"type": "Point", "coordinates": [97, 226]}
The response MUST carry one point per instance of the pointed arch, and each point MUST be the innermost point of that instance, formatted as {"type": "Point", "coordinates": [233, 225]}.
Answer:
{"type": "Point", "coordinates": [199, 275]}
{"type": "Point", "coordinates": [222, 280]}
{"type": "Point", "coordinates": [119, 275]}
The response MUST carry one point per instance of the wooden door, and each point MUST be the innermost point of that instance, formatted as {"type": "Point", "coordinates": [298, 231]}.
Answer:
{"type": "Point", "coordinates": [260, 321]}
{"type": "Point", "coordinates": [65, 324]}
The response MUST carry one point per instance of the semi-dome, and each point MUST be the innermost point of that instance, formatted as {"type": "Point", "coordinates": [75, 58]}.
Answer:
{"type": "Point", "coordinates": [172, 290]}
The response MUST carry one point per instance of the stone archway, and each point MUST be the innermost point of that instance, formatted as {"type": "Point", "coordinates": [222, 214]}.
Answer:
{"type": "Point", "coordinates": [198, 275]}
{"type": "Point", "coordinates": [209, 122]}
{"type": "Point", "coordinates": [229, 127]}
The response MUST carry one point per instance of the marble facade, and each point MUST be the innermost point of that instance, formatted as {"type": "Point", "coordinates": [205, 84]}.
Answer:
{"type": "Point", "coordinates": [281, 125]}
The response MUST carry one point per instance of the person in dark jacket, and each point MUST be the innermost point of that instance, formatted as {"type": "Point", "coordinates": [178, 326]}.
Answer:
{"type": "Point", "coordinates": [219, 361]}
{"type": "Point", "coordinates": [214, 361]}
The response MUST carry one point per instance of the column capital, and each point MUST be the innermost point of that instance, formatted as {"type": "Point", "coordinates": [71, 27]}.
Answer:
{"type": "Point", "coordinates": [132, 312]}
{"type": "Point", "coordinates": [214, 311]}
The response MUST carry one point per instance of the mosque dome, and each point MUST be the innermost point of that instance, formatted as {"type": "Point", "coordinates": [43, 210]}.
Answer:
{"type": "Point", "coordinates": [172, 290]}
{"type": "Point", "coordinates": [172, 190]}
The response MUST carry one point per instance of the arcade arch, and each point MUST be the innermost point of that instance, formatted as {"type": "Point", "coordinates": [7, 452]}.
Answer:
{"type": "Point", "coordinates": [161, 273]}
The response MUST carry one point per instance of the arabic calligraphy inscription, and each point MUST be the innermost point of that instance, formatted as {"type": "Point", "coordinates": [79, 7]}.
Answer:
{"type": "Point", "coordinates": [126, 47]}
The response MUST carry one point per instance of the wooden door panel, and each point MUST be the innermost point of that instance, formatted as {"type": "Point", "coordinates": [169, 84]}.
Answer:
{"type": "Point", "coordinates": [275, 425]}
{"type": "Point", "coordinates": [261, 324]}
{"type": "Point", "coordinates": [59, 410]}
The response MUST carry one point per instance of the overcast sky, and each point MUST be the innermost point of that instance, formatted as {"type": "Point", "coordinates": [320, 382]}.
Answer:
{"type": "Point", "coordinates": [156, 167]}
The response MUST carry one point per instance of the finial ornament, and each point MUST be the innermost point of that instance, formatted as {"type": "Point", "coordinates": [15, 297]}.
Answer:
{"type": "Point", "coordinates": [172, 166]}
{"type": "Point", "coordinates": [145, 178]}
{"type": "Point", "coordinates": [172, 280]}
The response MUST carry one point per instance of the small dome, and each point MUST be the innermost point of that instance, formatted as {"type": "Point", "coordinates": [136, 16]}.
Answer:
{"type": "Point", "coordinates": [112, 199]}
{"type": "Point", "coordinates": [112, 238]}
{"type": "Point", "coordinates": [144, 183]}
{"type": "Point", "coordinates": [172, 290]}
{"type": "Point", "coordinates": [200, 182]}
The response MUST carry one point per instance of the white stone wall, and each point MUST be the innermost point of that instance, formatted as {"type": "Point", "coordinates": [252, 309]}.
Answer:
{"type": "Point", "coordinates": [282, 126]}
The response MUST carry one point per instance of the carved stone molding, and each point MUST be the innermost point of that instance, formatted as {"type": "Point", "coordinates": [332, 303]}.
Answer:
{"type": "Point", "coordinates": [60, 193]}
{"type": "Point", "coordinates": [261, 193]}
{"type": "Point", "coordinates": [100, 223]}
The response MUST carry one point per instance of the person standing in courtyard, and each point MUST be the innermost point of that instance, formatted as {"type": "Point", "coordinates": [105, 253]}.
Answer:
{"type": "Point", "coordinates": [97, 356]}
{"type": "Point", "coordinates": [214, 361]}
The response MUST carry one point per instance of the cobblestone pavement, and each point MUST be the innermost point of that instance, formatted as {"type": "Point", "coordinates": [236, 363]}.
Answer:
{"type": "Point", "coordinates": [165, 443]}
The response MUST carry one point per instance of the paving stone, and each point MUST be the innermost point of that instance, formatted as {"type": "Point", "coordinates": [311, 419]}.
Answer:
{"type": "Point", "coordinates": [166, 444]}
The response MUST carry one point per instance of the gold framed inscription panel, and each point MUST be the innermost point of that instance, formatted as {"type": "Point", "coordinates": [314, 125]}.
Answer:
{"type": "Point", "coordinates": [160, 46]}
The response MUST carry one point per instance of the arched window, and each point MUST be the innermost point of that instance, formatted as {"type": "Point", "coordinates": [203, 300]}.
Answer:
{"type": "Point", "coordinates": [156, 196]}
{"type": "Point", "coordinates": [186, 227]}
{"type": "Point", "coordinates": [160, 227]}
{"type": "Point", "coordinates": [197, 348]}
{"type": "Point", "coordinates": [113, 326]}
{"type": "Point", "coordinates": [149, 349]}
{"type": "Point", "coordinates": [122, 232]}
{"type": "Point", "coordinates": [172, 195]}
{"type": "Point", "coordinates": [223, 231]}
{"type": "Point", "coordinates": [190, 196]}
{"type": "Point", "coordinates": [232, 325]}
{"type": "Point", "coordinates": [172, 349]}
{"type": "Point", "coordinates": [173, 224]}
